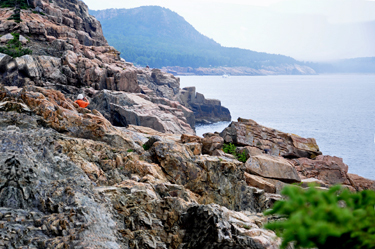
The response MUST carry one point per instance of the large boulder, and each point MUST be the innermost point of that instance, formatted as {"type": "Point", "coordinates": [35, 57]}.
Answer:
{"type": "Point", "coordinates": [211, 142]}
{"type": "Point", "coordinates": [28, 65]}
{"type": "Point", "coordinates": [259, 182]}
{"type": "Point", "coordinates": [329, 169]}
{"type": "Point", "coordinates": [161, 84]}
{"type": "Point", "coordinates": [169, 80]}
{"type": "Point", "coordinates": [247, 132]}
{"type": "Point", "coordinates": [361, 183]}
{"type": "Point", "coordinates": [273, 167]}
{"type": "Point", "coordinates": [123, 109]}
{"type": "Point", "coordinates": [4, 60]}
{"type": "Point", "coordinates": [205, 110]}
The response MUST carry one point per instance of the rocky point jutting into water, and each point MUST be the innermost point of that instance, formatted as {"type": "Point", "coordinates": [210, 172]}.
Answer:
{"type": "Point", "coordinates": [129, 172]}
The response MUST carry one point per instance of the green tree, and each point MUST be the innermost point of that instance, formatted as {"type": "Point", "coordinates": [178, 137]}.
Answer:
{"type": "Point", "coordinates": [330, 219]}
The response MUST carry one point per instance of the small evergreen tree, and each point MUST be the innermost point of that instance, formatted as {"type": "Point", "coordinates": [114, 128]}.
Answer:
{"type": "Point", "coordinates": [329, 219]}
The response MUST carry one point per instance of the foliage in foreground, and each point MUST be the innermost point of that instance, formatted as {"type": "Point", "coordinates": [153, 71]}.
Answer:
{"type": "Point", "coordinates": [329, 219]}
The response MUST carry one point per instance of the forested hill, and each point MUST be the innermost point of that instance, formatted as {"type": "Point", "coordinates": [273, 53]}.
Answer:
{"type": "Point", "coordinates": [158, 37]}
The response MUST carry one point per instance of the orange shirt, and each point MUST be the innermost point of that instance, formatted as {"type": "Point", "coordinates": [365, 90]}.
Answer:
{"type": "Point", "coordinates": [82, 103]}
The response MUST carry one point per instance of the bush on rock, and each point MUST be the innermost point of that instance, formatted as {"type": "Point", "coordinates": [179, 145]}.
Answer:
{"type": "Point", "coordinates": [329, 219]}
{"type": "Point", "coordinates": [14, 47]}
{"type": "Point", "coordinates": [231, 149]}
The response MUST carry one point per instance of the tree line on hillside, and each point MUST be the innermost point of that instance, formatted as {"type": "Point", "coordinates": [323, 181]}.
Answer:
{"type": "Point", "coordinates": [161, 55]}
{"type": "Point", "coordinates": [159, 37]}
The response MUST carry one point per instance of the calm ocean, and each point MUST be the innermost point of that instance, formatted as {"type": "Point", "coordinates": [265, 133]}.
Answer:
{"type": "Point", "coordinates": [337, 110]}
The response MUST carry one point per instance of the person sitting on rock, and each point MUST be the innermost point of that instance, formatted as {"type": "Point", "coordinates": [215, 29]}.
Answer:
{"type": "Point", "coordinates": [82, 101]}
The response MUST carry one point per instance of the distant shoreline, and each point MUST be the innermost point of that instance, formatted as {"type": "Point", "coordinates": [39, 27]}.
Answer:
{"type": "Point", "coordinates": [286, 69]}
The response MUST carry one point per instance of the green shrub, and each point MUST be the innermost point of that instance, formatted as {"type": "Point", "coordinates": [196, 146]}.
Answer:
{"type": "Point", "coordinates": [242, 157]}
{"type": "Point", "coordinates": [330, 219]}
{"type": "Point", "coordinates": [146, 146]}
{"type": "Point", "coordinates": [130, 150]}
{"type": "Point", "coordinates": [40, 13]}
{"type": "Point", "coordinates": [14, 47]}
{"type": "Point", "coordinates": [231, 149]}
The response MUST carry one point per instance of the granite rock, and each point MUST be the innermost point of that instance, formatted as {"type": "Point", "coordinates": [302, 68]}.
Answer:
{"type": "Point", "coordinates": [361, 183]}
{"type": "Point", "coordinates": [71, 179]}
{"type": "Point", "coordinates": [330, 170]}
{"type": "Point", "coordinates": [211, 142]}
{"type": "Point", "coordinates": [205, 228]}
{"type": "Point", "coordinates": [247, 132]}
{"type": "Point", "coordinates": [123, 109]}
{"type": "Point", "coordinates": [205, 110]}
{"type": "Point", "coordinates": [273, 167]}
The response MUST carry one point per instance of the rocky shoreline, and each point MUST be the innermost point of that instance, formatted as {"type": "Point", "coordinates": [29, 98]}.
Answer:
{"type": "Point", "coordinates": [129, 172]}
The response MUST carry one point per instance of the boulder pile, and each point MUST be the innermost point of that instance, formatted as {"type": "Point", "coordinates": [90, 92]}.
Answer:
{"type": "Point", "coordinates": [279, 158]}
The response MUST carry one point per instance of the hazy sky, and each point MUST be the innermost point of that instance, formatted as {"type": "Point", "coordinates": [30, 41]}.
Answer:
{"type": "Point", "coordinates": [304, 29]}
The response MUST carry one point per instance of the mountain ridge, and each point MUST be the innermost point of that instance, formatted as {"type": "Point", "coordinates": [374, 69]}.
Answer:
{"type": "Point", "coordinates": [159, 37]}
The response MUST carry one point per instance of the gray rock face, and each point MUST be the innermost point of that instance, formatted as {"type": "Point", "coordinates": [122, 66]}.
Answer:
{"type": "Point", "coordinates": [68, 70]}
{"type": "Point", "coordinates": [6, 38]}
{"type": "Point", "coordinates": [162, 84]}
{"type": "Point", "coordinates": [27, 65]}
{"type": "Point", "coordinates": [205, 228]}
{"type": "Point", "coordinates": [166, 85]}
{"type": "Point", "coordinates": [76, 17]}
{"type": "Point", "coordinates": [45, 198]}
{"type": "Point", "coordinates": [205, 110]}
{"type": "Point", "coordinates": [123, 109]}
{"type": "Point", "coordinates": [169, 80]}
{"type": "Point", "coordinates": [272, 167]}
{"type": "Point", "coordinates": [331, 170]}
{"type": "Point", "coordinates": [247, 132]}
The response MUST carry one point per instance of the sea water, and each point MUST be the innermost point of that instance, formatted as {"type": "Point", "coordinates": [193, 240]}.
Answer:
{"type": "Point", "coordinates": [337, 110]}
